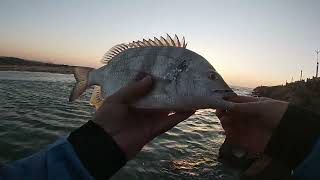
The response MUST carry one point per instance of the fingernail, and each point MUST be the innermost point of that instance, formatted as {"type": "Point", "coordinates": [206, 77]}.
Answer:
{"type": "Point", "coordinates": [226, 97]}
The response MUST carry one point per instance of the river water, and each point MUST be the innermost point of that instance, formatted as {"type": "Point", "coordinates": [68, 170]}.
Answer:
{"type": "Point", "coordinates": [35, 112]}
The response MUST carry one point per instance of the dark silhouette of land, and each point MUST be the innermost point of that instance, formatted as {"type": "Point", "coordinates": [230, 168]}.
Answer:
{"type": "Point", "coordinates": [18, 64]}
{"type": "Point", "coordinates": [303, 93]}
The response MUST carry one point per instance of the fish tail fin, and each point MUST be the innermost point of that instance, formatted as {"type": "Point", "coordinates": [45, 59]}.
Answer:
{"type": "Point", "coordinates": [81, 75]}
{"type": "Point", "coordinates": [96, 98]}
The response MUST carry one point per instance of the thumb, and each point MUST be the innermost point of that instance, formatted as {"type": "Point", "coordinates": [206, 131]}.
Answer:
{"type": "Point", "coordinates": [132, 92]}
{"type": "Point", "coordinates": [250, 107]}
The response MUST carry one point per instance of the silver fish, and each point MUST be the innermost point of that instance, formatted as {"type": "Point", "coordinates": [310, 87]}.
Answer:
{"type": "Point", "coordinates": [183, 80]}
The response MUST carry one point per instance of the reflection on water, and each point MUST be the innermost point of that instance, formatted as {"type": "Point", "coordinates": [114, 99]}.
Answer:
{"type": "Point", "coordinates": [35, 112]}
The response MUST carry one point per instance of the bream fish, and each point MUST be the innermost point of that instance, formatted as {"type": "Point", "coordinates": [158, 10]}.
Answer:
{"type": "Point", "coordinates": [182, 79]}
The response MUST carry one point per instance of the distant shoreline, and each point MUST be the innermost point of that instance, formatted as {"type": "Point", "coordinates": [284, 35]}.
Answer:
{"type": "Point", "coordinates": [18, 64]}
{"type": "Point", "coordinates": [50, 69]}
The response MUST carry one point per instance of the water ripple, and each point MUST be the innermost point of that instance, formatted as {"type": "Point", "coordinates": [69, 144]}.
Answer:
{"type": "Point", "coordinates": [35, 112]}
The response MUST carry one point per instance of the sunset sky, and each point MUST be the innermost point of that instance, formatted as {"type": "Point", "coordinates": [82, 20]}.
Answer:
{"type": "Point", "coordinates": [250, 43]}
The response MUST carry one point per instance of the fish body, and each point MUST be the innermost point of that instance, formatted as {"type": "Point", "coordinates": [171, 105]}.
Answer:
{"type": "Point", "coordinates": [182, 79]}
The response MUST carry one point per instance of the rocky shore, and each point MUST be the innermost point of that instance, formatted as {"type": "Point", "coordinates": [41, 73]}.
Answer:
{"type": "Point", "coordinates": [302, 93]}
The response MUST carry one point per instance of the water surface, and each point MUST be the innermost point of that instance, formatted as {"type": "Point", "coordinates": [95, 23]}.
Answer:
{"type": "Point", "coordinates": [35, 112]}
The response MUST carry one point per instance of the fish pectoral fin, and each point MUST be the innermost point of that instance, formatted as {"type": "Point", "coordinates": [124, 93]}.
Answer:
{"type": "Point", "coordinates": [96, 99]}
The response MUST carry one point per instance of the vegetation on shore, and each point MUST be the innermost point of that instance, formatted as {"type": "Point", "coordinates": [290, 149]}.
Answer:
{"type": "Point", "coordinates": [18, 64]}
{"type": "Point", "coordinates": [302, 93]}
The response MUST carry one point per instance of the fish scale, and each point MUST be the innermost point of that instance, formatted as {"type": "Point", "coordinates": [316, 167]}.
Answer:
{"type": "Point", "coordinates": [183, 80]}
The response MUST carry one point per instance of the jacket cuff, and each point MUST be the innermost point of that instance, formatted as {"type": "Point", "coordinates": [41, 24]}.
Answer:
{"type": "Point", "coordinates": [294, 137]}
{"type": "Point", "coordinates": [96, 149]}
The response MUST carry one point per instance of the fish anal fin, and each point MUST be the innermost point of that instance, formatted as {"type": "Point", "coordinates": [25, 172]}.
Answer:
{"type": "Point", "coordinates": [96, 99]}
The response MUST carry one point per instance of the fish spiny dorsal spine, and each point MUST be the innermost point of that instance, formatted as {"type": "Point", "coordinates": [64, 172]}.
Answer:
{"type": "Point", "coordinates": [170, 40]}
{"type": "Point", "coordinates": [115, 50]}
{"type": "Point", "coordinates": [164, 41]}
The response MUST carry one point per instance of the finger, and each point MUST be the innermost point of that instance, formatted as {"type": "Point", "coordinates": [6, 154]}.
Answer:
{"type": "Point", "coordinates": [241, 99]}
{"type": "Point", "coordinates": [250, 108]}
{"type": "Point", "coordinates": [264, 99]}
{"type": "Point", "coordinates": [163, 125]}
{"type": "Point", "coordinates": [225, 120]}
{"type": "Point", "coordinates": [220, 113]}
{"type": "Point", "coordinates": [155, 116]}
{"type": "Point", "coordinates": [132, 92]}
{"type": "Point", "coordinates": [149, 112]}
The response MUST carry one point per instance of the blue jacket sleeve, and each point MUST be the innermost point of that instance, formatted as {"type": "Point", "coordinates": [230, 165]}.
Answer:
{"type": "Point", "coordinates": [58, 161]}
{"type": "Point", "coordinates": [88, 153]}
{"type": "Point", "coordinates": [309, 168]}
{"type": "Point", "coordinates": [296, 143]}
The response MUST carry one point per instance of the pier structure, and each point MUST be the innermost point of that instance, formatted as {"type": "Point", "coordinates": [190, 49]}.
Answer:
{"type": "Point", "coordinates": [317, 51]}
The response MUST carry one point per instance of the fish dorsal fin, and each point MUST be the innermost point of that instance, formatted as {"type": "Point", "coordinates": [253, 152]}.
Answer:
{"type": "Point", "coordinates": [96, 99]}
{"type": "Point", "coordinates": [115, 50]}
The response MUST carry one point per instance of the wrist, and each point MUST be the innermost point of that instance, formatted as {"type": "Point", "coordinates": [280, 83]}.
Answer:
{"type": "Point", "coordinates": [97, 150]}
{"type": "Point", "coordinates": [129, 146]}
{"type": "Point", "coordinates": [126, 142]}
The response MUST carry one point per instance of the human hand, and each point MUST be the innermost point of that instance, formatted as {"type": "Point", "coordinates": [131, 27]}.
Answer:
{"type": "Point", "coordinates": [133, 128]}
{"type": "Point", "coordinates": [251, 121]}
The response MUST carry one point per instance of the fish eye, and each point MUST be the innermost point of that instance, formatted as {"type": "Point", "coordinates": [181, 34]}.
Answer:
{"type": "Point", "coordinates": [212, 76]}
